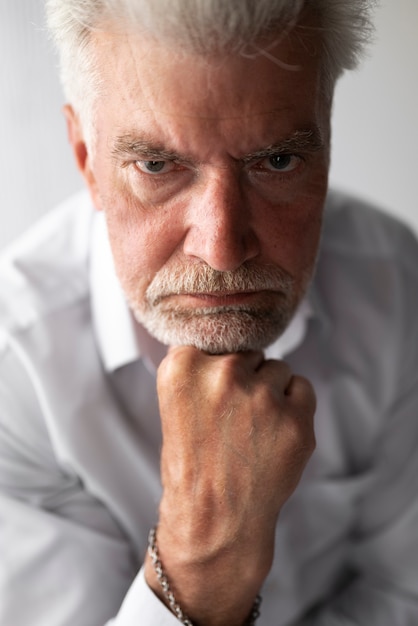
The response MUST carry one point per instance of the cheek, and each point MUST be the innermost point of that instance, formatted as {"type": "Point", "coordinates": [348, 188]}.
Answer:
{"type": "Point", "coordinates": [293, 234]}
{"type": "Point", "coordinates": [138, 234]}
{"type": "Point", "coordinates": [291, 223]}
{"type": "Point", "coordinates": [141, 241]}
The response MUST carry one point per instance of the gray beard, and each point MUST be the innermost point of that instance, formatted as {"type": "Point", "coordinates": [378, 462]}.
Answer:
{"type": "Point", "coordinates": [217, 330]}
{"type": "Point", "coordinates": [220, 329]}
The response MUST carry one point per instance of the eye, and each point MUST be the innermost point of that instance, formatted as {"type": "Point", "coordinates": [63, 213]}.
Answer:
{"type": "Point", "coordinates": [281, 162]}
{"type": "Point", "coordinates": [154, 167]}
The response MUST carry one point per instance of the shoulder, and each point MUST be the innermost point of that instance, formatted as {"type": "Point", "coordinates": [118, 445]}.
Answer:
{"type": "Point", "coordinates": [46, 268]}
{"type": "Point", "coordinates": [367, 257]}
{"type": "Point", "coordinates": [358, 230]}
{"type": "Point", "coordinates": [366, 286]}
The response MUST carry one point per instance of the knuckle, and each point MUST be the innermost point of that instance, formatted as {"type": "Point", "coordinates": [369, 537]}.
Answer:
{"type": "Point", "coordinates": [303, 395]}
{"type": "Point", "coordinates": [301, 433]}
{"type": "Point", "coordinates": [309, 391]}
{"type": "Point", "coordinates": [280, 369]}
{"type": "Point", "coordinates": [176, 361]}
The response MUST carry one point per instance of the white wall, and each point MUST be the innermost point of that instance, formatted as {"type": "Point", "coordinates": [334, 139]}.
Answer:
{"type": "Point", "coordinates": [375, 119]}
{"type": "Point", "coordinates": [36, 167]}
{"type": "Point", "coordinates": [375, 142]}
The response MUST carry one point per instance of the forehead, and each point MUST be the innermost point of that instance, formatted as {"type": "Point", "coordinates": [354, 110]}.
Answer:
{"type": "Point", "coordinates": [151, 84]}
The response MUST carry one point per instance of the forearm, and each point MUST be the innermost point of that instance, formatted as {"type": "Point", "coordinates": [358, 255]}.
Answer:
{"type": "Point", "coordinates": [199, 586]}
{"type": "Point", "coordinates": [237, 433]}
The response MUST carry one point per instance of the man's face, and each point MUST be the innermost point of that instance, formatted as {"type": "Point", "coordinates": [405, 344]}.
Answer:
{"type": "Point", "coordinates": [212, 175]}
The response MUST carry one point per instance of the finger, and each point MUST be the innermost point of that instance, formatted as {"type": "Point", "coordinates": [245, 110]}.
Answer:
{"type": "Point", "coordinates": [277, 373]}
{"type": "Point", "coordinates": [299, 387]}
{"type": "Point", "coordinates": [249, 361]}
{"type": "Point", "coordinates": [253, 359]}
{"type": "Point", "coordinates": [302, 394]}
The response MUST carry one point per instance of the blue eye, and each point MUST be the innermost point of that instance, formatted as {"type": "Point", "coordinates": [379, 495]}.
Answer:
{"type": "Point", "coordinates": [154, 167]}
{"type": "Point", "coordinates": [281, 162]}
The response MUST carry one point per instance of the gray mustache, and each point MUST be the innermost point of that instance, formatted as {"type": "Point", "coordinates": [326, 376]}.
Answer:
{"type": "Point", "coordinates": [202, 279]}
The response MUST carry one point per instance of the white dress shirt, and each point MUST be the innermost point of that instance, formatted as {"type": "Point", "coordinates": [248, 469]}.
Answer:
{"type": "Point", "coordinates": [80, 433]}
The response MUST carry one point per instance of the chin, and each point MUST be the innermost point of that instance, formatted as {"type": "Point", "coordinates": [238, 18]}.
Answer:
{"type": "Point", "coordinates": [218, 332]}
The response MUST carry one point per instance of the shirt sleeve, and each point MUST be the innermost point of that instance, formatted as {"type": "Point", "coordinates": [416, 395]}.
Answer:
{"type": "Point", "coordinates": [64, 561]}
{"type": "Point", "coordinates": [141, 606]}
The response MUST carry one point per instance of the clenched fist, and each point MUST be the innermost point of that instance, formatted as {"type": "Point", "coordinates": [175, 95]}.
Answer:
{"type": "Point", "coordinates": [237, 433]}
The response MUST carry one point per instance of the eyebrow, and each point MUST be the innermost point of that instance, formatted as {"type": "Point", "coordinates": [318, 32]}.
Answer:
{"type": "Point", "coordinates": [128, 145]}
{"type": "Point", "coordinates": [301, 141]}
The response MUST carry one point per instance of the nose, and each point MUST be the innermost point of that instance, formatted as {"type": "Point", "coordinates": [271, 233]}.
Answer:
{"type": "Point", "coordinates": [220, 223]}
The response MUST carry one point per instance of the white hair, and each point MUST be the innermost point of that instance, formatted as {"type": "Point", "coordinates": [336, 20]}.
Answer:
{"type": "Point", "coordinates": [203, 27]}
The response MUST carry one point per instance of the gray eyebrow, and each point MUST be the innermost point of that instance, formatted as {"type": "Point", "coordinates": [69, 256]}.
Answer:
{"type": "Point", "coordinates": [128, 145]}
{"type": "Point", "coordinates": [301, 141]}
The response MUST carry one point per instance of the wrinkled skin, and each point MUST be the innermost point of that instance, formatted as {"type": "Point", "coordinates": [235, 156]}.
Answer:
{"type": "Point", "coordinates": [225, 483]}
{"type": "Point", "coordinates": [237, 430]}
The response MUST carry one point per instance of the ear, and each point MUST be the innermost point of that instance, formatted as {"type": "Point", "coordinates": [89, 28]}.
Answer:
{"type": "Point", "coordinates": [81, 153]}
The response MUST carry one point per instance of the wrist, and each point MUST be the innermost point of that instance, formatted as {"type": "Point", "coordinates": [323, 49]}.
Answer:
{"type": "Point", "coordinates": [199, 606]}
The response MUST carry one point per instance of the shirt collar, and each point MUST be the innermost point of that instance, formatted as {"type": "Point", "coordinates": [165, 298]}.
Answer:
{"type": "Point", "coordinates": [121, 340]}
{"type": "Point", "coordinates": [294, 334]}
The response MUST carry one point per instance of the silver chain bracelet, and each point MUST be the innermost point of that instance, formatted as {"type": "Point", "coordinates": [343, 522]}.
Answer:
{"type": "Point", "coordinates": [168, 594]}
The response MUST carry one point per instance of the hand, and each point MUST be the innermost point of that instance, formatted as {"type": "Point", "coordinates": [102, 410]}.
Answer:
{"type": "Point", "coordinates": [237, 433]}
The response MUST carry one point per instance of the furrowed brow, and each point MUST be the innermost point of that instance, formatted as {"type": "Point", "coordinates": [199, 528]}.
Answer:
{"type": "Point", "coordinates": [302, 141]}
{"type": "Point", "coordinates": [129, 146]}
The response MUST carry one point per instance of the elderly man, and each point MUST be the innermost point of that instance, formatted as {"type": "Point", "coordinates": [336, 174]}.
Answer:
{"type": "Point", "coordinates": [202, 130]}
